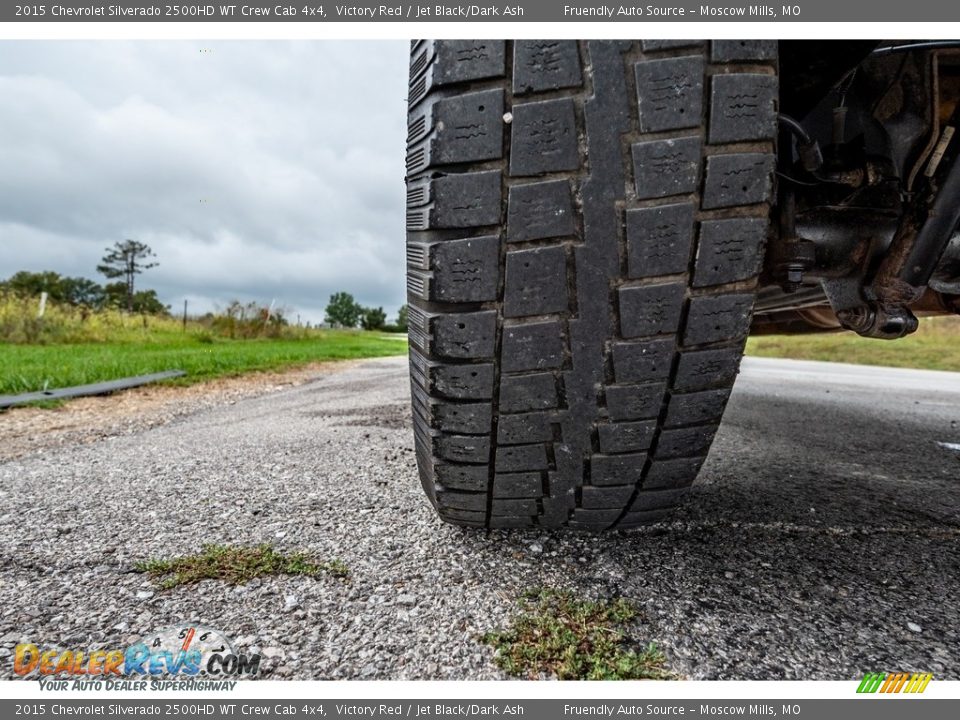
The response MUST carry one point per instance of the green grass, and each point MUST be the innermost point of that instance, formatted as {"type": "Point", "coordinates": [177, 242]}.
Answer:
{"type": "Point", "coordinates": [29, 368]}
{"type": "Point", "coordinates": [935, 346]}
{"type": "Point", "coordinates": [75, 346]}
{"type": "Point", "coordinates": [236, 565]}
{"type": "Point", "coordinates": [573, 639]}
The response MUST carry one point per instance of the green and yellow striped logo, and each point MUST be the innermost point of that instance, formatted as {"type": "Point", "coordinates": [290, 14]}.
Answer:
{"type": "Point", "coordinates": [894, 682]}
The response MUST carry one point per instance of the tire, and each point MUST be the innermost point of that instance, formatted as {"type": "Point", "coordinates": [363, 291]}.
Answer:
{"type": "Point", "coordinates": [585, 226]}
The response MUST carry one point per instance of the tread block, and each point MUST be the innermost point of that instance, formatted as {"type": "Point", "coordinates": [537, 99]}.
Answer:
{"type": "Point", "coordinates": [461, 60]}
{"type": "Point", "coordinates": [624, 437]}
{"type": "Point", "coordinates": [634, 402]}
{"type": "Point", "coordinates": [518, 458]}
{"type": "Point", "coordinates": [748, 50]}
{"type": "Point", "coordinates": [617, 469]}
{"type": "Point", "coordinates": [642, 361]}
{"type": "Point", "coordinates": [468, 128]}
{"type": "Point", "coordinates": [524, 428]}
{"type": "Point", "coordinates": [652, 45]}
{"type": "Point", "coordinates": [465, 270]}
{"type": "Point", "coordinates": [599, 498]}
{"type": "Point", "coordinates": [659, 239]}
{"type": "Point", "coordinates": [650, 309]}
{"type": "Point", "coordinates": [464, 128]}
{"type": "Point", "coordinates": [464, 335]}
{"type": "Point", "coordinates": [743, 107]}
{"type": "Point", "coordinates": [729, 250]}
{"type": "Point", "coordinates": [678, 473]}
{"type": "Point", "coordinates": [447, 62]}
{"type": "Point", "coordinates": [472, 478]}
{"type": "Point", "coordinates": [474, 502]}
{"type": "Point", "coordinates": [543, 138]}
{"type": "Point", "coordinates": [738, 179]}
{"type": "Point", "coordinates": [504, 509]}
{"type": "Point", "coordinates": [669, 93]}
{"type": "Point", "coordinates": [463, 382]}
{"type": "Point", "coordinates": [666, 167]}
{"type": "Point", "coordinates": [716, 318]}
{"type": "Point", "coordinates": [536, 282]}
{"type": "Point", "coordinates": [534, 346]}
{"type": "Point", "coordinates": [539, 210]}
{"type": "Point", "coordinates": [528, 392]}
{"type": "Point", "coordinates": [459, 201]}
{"type": "Point", "coordinates": [517, 485]}
{"type": "Point", "coordinates": [703, 369]}
{"type": "Point", "coordinates": [545, 65]}
{"type": "Point", "coordinates": [463, 448]}
{"type": "Point", "coordinates": [467, 418]}
{"type": "Point", "coordinates": [697, 407]}
{"type": "Point", "coordinates": [647, 500]}
{"type": "Point", "coordinates": [685, 441]}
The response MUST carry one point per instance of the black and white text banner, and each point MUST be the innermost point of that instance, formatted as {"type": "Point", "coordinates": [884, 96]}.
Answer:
{"type": "Point", "coordinates": [524, 11]}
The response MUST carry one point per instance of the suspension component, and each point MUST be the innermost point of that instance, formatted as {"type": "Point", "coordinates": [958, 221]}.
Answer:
{"type": "Point", "coordinates": [930, 219]}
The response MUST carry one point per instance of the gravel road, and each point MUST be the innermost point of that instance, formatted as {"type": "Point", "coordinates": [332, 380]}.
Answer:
{"type": "Point", "coordinates": [821, 541]}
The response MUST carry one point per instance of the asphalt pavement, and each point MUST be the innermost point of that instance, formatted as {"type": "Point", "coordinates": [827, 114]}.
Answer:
{"type": "Point", "coordinates": [822, 540]}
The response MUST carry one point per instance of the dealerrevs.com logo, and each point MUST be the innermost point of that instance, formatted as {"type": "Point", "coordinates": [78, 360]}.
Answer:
{"type": "Point", "coordinates": [182, 657]}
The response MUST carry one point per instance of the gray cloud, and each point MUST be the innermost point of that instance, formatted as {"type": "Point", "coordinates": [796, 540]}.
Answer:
{"type": "Point", "coordinates": [255, 170]}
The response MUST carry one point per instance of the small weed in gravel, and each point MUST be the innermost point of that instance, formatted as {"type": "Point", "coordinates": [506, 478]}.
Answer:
{"type": "Point", "coordinates": [574, 639]}
{"type": "Point", "coordinates": [236, 565]}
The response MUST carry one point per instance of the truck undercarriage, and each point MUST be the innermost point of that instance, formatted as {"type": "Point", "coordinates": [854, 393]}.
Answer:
{"type": "Point", "coordinates": [868, 197]}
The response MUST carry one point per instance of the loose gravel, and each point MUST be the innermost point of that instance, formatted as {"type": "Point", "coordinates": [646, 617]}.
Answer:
{"type": "Point", "coordinates": [818, 544]}
{"type": "Point", "coordinates": [26, 430]}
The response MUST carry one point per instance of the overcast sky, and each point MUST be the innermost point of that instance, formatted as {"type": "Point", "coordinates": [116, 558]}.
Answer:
{"type": "Point", "coordinates": [255, 170]}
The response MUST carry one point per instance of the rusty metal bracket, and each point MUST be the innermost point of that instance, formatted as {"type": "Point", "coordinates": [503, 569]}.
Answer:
{"type": "Point", "coordinates": [919, 243]}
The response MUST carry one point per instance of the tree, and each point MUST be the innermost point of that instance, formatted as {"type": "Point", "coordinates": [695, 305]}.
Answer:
{"type": "Point", "coordinates": [29, 284]}
{"type": "Point", "coordinates": [402, 318]}
{"type": "Point", "coordinates": [147, 302]}
{"type": "Point", "coordinates": [343, 310]}
{"type": "Point", "coordinates": [82, 292]}
{"type": "Point", "coordinates": [126, 260]}
{"type": "Point", "coordinates": [372, 318]}
{"type": "Point", "coordinates": [115, 294]}
{"type": "Point", "coordinates": [144, 302]}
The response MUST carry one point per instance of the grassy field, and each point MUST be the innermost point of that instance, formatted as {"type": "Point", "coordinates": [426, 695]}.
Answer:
{"type": "Point", "coordinates": [68, 349]}
{"type": "Point", "coordinates": [28, 368]}
{"type": "Point", "coordinates": [935, 346]}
